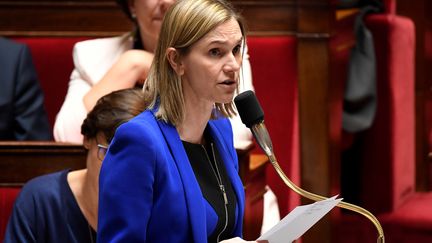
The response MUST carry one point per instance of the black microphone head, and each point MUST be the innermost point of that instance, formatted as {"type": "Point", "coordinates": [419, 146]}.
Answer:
{"type": "Point", "coordinates": [249, 109]}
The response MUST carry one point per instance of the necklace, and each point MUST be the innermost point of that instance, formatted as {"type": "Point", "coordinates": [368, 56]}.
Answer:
{"type": "Point", "coordinates": [216, 172]}
{"type": "Point", "coordinates": [90, 233]}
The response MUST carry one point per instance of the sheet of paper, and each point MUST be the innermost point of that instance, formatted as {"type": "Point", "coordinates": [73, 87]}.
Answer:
{"type": "Point", "coordinates": [298, 221]}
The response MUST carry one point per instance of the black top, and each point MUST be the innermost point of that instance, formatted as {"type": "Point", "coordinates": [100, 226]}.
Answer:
{"type": "Point", "coordinates": [210, 176]}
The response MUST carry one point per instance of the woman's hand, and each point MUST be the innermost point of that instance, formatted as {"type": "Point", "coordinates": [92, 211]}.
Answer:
{"type": "Point", "coordinates": [240, 240]}
{"type": "Point", "coordinates": [130, 69]}
{"type": "Point", "coordinates": [137, 65]}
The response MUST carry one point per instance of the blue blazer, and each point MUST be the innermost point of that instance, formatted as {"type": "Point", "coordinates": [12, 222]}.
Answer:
{"type": "Point", "coordinates": [22, 111]}
{"type": "Point", "coordinates": [148, 190]}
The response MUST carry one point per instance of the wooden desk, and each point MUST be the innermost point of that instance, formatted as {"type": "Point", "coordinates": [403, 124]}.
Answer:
{"type": "Point", "coordinates": [21, 161]}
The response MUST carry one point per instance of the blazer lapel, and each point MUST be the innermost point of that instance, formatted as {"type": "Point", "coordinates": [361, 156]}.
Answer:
{"type": "Point", "coordinates": [229, 160]}
{"type": "Point", "coordinates": [195, 207]}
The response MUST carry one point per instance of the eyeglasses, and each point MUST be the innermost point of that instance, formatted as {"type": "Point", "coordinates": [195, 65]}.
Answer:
{"type": "Point", "coordinates": [102, 149]}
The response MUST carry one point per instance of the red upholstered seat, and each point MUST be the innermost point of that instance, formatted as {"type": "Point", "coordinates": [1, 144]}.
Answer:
{"type": "Point", "coordinates": [415, 215]}
{"type": "Point", "coordinates": [274, 72]}
{"type": "Point", "coordinates": [389, 155]}
{"type": "Point", "coordinates": [387, 150]}
{"type": "Point", "coordinates": [52, 57]}
{"type": "Point", "coordinates": [7, 198]}
{"type": "Point", "coordinates": [412, 222]}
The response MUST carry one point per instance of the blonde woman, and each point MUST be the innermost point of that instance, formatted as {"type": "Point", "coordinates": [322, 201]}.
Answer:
{"type": "Point", "coordinates": [171, 173]}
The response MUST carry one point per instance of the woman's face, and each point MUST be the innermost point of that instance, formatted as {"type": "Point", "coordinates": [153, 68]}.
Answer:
{"type": "Point", "coordinates": [149, 15]}
{"type": "Point", "coordinates": [211, 67]}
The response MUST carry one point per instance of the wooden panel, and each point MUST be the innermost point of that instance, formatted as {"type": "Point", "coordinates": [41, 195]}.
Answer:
{"type": "Point", "coordinates": [21, 161]}
{"type": "Point", "coordinates": [104, 18]}
{"type": "Point", "coordinates": [92, 18]}
{"type": "Point", "coordinates": [314, 94]}
{"type": "Point", "coordinates": [313, 32]}
{"type": "Point", "coordinates": [269, 17]}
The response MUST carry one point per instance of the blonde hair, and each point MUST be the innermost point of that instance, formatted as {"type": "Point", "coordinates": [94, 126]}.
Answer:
{"type": "Point", "coordinates": [185, 23]}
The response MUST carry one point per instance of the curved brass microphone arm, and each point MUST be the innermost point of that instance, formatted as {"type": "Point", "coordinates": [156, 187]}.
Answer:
{"type": "Point", "coordinates": [316, 197]}
{"type": "Point", "coordinates": [261, 135]}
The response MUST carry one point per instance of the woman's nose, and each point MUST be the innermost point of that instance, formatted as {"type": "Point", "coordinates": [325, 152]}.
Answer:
{"type": "Point", "coordinates": [233, 64]}
{"type": "Point", "coordinates": [165, 4]}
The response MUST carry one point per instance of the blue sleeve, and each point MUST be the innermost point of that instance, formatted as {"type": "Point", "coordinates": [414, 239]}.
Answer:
{"type": "Point", "coordinates": [126, 185]}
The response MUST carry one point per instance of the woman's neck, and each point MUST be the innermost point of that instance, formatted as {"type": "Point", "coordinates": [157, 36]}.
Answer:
{"type": "Point", "coordinates": [148, 42]}
{"type": "Point", "coordinates": [194, 122]}
{"type": "Point", "coordinates": [84, 186]}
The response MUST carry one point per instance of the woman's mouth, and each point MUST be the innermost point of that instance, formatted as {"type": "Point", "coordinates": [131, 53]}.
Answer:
{"type": "Point", "coordinates": [228, 82]}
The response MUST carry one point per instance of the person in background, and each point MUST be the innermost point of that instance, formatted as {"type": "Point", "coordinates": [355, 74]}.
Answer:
{"type": "Point", "coordinates": [22, 111]}
{"type": "Point", "coordinates": [62, 206]}
{"type": "Point", "coordinates": [108, 64]}
{"type": "Point", "coordinates": [171, 173]}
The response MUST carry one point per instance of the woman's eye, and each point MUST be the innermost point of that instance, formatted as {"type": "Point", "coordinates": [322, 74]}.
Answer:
{"type": "Point", "coordinates": [236, 50]}
{"type": "Point", "coordinates": [214, 52]}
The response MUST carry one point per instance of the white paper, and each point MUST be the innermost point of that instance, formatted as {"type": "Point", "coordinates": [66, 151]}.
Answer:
{"type": "Point", "coordinates": [298, 221]}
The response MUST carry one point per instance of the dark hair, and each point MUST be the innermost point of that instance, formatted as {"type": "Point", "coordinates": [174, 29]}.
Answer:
{"type": "Point", "coordinates": [124, 4]}
{"type": "Point", "coordinates": [111, 111]}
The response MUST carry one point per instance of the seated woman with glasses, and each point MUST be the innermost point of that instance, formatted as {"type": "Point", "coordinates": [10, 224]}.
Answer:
{"type": "Point", "coordinates": [62, 206]}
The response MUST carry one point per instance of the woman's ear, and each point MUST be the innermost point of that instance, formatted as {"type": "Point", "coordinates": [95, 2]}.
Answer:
{"type": "Point", "coordinates": [175, 61]}
{"type": "Point", "coordinates": [132, 10]}
{"type": "Point", "coordinates": [86, 143]}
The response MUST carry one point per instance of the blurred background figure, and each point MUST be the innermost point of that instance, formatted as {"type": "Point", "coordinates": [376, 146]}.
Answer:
{"type": "Point", "coordinates": [62, 206]}
{"type": "Point", "coordinates": [22, 112]}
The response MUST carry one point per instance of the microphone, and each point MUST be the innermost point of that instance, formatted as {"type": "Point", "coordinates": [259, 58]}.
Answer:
{"type": "Point", "coordinates": [252, 115]}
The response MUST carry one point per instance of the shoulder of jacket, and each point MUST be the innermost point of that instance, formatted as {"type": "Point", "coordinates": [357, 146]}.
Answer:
{"type": "Point", "coordinates": [12, 48]}
{"type": "Point", "coordinates": [103, 45]}
{"type": "Point", "coordinates": [43, 185]}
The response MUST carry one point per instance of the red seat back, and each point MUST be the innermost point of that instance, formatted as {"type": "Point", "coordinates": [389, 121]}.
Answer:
{"type": "Point", "coordinates": [389, 147]}
{"type": "Point", "coordinates": [7, 199]}
{"type": "Point", "coordinates": [52, 57]}
{"type": "Point", "coordinates": [274, 73]}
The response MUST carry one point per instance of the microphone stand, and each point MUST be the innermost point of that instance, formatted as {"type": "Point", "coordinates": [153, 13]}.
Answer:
{"type": "Point", "coordinates": [260, 133]}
